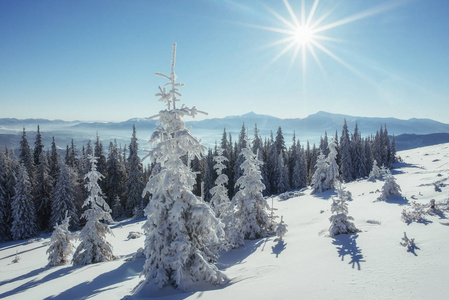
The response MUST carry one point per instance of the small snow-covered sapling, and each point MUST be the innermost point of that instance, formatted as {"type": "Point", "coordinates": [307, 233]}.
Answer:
{"type": "Point", "coordinates": [281, 229]}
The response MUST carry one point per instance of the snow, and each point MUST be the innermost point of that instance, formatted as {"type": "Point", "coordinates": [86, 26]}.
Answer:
{"type": "Point", "coordinates": [307, 264]}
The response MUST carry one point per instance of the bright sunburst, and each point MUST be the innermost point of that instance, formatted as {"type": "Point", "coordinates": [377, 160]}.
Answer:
{"type": "Point", "coordinates": [304, 32]}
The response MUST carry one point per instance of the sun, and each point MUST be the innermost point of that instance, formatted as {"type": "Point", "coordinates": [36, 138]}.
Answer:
{"type": "Point", "coordinates": [303, 35]}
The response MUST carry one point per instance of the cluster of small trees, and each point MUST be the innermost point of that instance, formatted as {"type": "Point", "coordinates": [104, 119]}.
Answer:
{"type": "Point", "coordinates": [184, 234]}
{"type": "Point", "coordinates": [37, 187]}
{"type": "Point", "coordinates": [93, 247]}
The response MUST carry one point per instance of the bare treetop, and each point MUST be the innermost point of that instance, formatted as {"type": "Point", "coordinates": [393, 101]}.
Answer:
{"type": "Point", "coordinates": [172, 95]}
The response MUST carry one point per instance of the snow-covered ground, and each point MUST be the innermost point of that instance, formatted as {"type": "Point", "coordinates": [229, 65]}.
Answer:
{"type": "Point", "coordinates": [308, 264]}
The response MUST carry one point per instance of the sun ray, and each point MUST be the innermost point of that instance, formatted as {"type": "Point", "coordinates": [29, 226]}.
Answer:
{"type": "Point", "coordinates": [327, 38]}
{"type": "Point", "coordinates": [320, 19]}
{"type": "Point", "coordinates": [343, 63]}
{"type": "Point", "coordinates": [292, 14]}
{"type": "Point", "coordinates": [303, 13]}
{"type": "Point", "coordinates": [358, 16]}
{"type": "Point", "coordinates": [280, 18]}
{"type": "Point", "coordinates": [279, 42]}
{"type": "Point", "coordinates": [312, 13]}
{"type": "Point", "coordinates": [316, 58]}
{"type": "Point", "coordinates": [285, 50]}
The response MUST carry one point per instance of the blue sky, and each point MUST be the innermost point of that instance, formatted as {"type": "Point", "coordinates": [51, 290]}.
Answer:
{"type": "Point", "coordinates": [95, 60]}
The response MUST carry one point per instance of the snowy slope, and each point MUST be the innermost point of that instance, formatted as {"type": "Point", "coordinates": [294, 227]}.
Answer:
{"type": "Point", "coordinates": [308, 265]}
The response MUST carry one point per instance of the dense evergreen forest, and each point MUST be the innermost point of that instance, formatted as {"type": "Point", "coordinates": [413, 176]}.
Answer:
{"type": "Point", "coordinates": [38, 186]}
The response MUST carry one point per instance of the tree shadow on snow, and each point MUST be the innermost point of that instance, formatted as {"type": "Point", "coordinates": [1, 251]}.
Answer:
{"type": "Point", "coordinates": [103, 282]}
{"type": "Point", "coordinates": [278, 248]}
{"type": "Point", "coordinates": [397, 199]}
{"type": "Point", "coordinates": [412, 249]}
{"type": "Point", "coordinates": [35, 282]}
{"type": "Point", "coordinates": [326, 195]}
{"type": "Point", "coordinates": [347, 245]}
{"type": "Point", "coordinates": [126, 222]}
{"type": "Point", "coordinates": [12, 244]}
{"type": "Point", "coordinates": [24, 251]}
{"type": "Point", "coordinates": [238, 256]}
{"type": "Point", "coordinates": [401, 164]}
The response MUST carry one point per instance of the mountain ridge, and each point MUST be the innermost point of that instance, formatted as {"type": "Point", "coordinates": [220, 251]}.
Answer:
{"type": "Point", "coordinates": [310, 128]}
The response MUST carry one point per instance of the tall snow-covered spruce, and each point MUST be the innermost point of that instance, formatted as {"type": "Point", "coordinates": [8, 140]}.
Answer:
{"type": "Point", "coordinates": [251, 207]}
{"type": "Point", "coordinates": [221, 204]}
{"type": "Point", "coordinates": [23, 213]}
{"type": "Point", "coordinates": [93, 247]}
{"type": "Point", "coordinates": [182, 232]}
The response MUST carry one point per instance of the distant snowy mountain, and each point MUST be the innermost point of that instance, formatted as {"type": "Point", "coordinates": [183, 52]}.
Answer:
{"type": "Point", "coordinates": [210, 131]}
{"type": "Point", "coordinates": [323, 121]}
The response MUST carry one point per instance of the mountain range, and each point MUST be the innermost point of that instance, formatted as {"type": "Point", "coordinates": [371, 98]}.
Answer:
{"type": "Point", "coordinates": [210, 131]}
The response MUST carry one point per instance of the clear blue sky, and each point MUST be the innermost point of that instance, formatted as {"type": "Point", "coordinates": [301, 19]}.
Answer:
{"type": "Point", "coordinates": [95, 60]}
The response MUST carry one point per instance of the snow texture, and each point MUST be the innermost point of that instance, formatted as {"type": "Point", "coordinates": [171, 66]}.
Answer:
{"type": "Point", "coordinates": [369, 265]}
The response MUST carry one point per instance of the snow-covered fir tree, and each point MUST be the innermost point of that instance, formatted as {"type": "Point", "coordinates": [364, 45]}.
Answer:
{"type": "Point", "coordinates": [117, 208]}
{"type": "Point", "coordinates": [134, 181]}
{"type": "Point", "coordinates": [341, 223]}
{"type": "Point", "coordinates": [42, 192]}
{"type": "Point", "coordinates": [220, 200]}
{"type": "Point", "coordinates": [332, 172]}
{"type": "Point", "coordinates": [324, 144]}
{"type": "Point", "coordinates": [61, 246]}
{"type": "Point", "coordinates": [375, 172]}
{"type": "Point", "coordinates": [222, 205]}
{"type": "Point", "coordinates": [38, 147]}
{"type": "Point", "coordinates": [251, 207]}
{"type": "Point", "coordinates": [358, 161]}
{"type": "Point", "coordinates": [281, 229]}
{"type": "Point", "coordinates": [116, 178]}
{"type": "Point", "coordinates": [346, 167]}
{"type": "Point", "coordinates": [320, 182]}
{"type": "Point", "coordinates": [181, 231]}
{"type": "Point", "coordinates": [63, 202]}
{"type": "Point", "coordinates": [393, 150]}
{"type": "Point", "coordinates": [209, 175]}
{"type": "Point", "coordinates": [93, 247]}
{"type": "Point", "coordinates": [10, 168]}
{"type": "Point", "coordinates": [23, 211]}
{"type": "Point", "coordinates": [281, 183]}
{"type": "Point", "coordinates": [5, 206]}
{"type": "Point", "coordinates": [342, 193]}
{"type": "Point", "coordinates": [54, 160]}
{"type": "Point", "coordinates": [26, 158]}
{"type": "Point", "coordinates": [239, 158]}
{"type": "Point", "coordinates": [390, 187]}
{"type": "Point", "coordinates": [102, 167]}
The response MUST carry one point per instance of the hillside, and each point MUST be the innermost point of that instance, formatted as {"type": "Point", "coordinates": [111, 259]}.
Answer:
{"type": "Point", "coordinates": [307, 265]}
